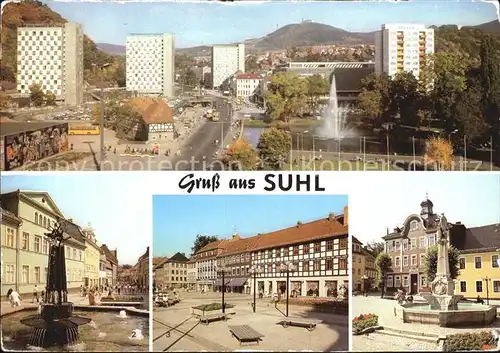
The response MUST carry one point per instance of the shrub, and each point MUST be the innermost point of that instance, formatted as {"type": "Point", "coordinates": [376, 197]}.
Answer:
{"type": "Point", "coordinates": [363, 321]}
{"type": "Point", "coordinates": [320, 303]}
{"type": "Point", "coordinates": [123, 298]}
{"type": "Point", "coordinates": [468, 341]}
{"type": "Point", "coordinates": [212, 306]}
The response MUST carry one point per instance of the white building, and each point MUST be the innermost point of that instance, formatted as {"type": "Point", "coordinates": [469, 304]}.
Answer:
{"type": "Point", "coordinates": [51, 57]}
{"type": "Point", "coordinates": [227, 60]}
{"type": "Point", "coordinates": [402, 47]}
{"type": "Point", "coordinates": [246, 85]}
{"type": "Point", "coordinates": [192, 273]}
{"type": "Point", "coordinates": [150, 64]}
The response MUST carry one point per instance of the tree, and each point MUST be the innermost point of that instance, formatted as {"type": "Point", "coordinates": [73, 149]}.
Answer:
{"type": "Point", "coordinates": [37, 97]}
{"type": "Point", "coordinates": [376, 247]}
{"type": "Point", "coordinates": [50, 98]}
{"type": "Point", "coordinates": [406, 97]}
{"type": "Point", "coordinates": [201, 241]}
{"type": "Point", "coordinates": [317, 86]}
{"type": "Point", "coordinates": [375, 99]}
{"type": "Point", "coordinates": [251, 64]}
{"type": "Point", "coordinates": [431, 259]}
{"type": "Point", "coordinates": [439, 150]}
{"type": "Point", "coordinates": [241, 156]}
{"type": "Point", "coordinates": [383, 262]}
{"type": "Point", "coordinates": [274, 148]}
{"type": "Point", "coordinates": [190, 78]}
{"type": "Point", "coordinates": [127, 123]}
{"type": "Point", "coordinates": [286, 96]}
{"type": "Point", "coordinates": [4, 100]}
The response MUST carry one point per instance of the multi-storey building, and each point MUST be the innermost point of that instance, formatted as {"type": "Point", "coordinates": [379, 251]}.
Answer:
{"type": "Point", "coordinates": [27, 217]}
{"type": "Point", "coordinates": [51, 57]}
{"type": "Point", "coordinates": [102, 269]}
{"type": "Point", "coordinates": [227, 60]}
{"type": "Point", "coordinates": [363, 266]}
{"type": "Point", "coordinates": [92, 257]}
{"type": "Point", "coordinates": [111, 262]}
{"type": "Point", "coordinates": [172, 272]}
{"type": "Point", "coordinates": [192, 273]}
{"type": "Point", "coordinates": [246, 85]}
{"type": "Point", "coordinates": [319, 251]}
{"type": "Point", "coordinates": [142, 268]}
{"type": "Point", "coordinates": [206, 264]}
{"type": "Point", "coordinates": [402, 47]}
{"type": "Point", "coordinates": [150, 64]}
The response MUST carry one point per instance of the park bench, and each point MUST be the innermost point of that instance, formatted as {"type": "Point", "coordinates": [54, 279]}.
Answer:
{"type": "Point", "coordinates": [205, 319]}
{"type": "Point", "coordinates": [245, 333]}
{"type": "Point", "coordinates": [310, 325]}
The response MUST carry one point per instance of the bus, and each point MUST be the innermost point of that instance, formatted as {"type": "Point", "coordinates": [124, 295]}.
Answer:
{"type": "Point", "coordinates": [83, 129]}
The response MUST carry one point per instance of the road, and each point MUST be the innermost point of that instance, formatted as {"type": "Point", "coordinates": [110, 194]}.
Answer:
{"type": "Point", "coordinates": [198, 151]}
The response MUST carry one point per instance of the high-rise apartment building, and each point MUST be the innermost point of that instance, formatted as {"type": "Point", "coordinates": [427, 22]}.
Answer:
{"type": "Point", "coordinates": [402, 47]}
{"type": "Point", "coordinates": [226, 61]}
{"type": "Point", "coordinates": [150, 65]}
{"type": "Point", "coordinates": [51, 57]}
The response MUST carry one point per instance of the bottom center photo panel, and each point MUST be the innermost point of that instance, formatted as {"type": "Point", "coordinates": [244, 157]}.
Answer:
{"type": "Point", "coordinates": [231, 272]}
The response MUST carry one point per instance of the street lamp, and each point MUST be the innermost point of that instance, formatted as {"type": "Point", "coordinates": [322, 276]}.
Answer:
{"type": "Point", "coordinates": [254, 271]}
{"type": "Point", "coordinates": [222, 271]}
{"type": "Point", "coordinates": [287, 267]}
{"type": "Point", "coordinates": [101, 128]}
{"type": "Point", "coordinates": [487, 280]}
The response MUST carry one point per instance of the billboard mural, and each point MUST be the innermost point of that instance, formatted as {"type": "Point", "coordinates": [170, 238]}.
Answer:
{"type": "Point", "coordinates": [31, 146]}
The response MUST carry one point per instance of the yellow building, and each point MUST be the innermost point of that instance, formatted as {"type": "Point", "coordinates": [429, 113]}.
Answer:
{"type": "Point", "coordinates": [92, 257]}
{"type": "Point", "coordinates": [29, 215]}
{"type": "Point", "coordinates": [363, 267]}
{"type": "Point", "coordinates": [479, 263]}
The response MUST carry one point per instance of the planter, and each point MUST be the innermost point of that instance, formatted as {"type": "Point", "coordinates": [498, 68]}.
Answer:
{"type": "Point", "coordinates": [365, 324]}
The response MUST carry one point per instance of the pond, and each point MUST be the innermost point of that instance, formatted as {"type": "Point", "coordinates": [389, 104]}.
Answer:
{"type": "Point", "coordinates": [106, 332]}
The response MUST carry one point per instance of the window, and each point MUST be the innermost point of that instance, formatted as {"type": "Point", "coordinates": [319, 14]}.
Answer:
{"type": "Point", "coordinates": [80, 253]}
{"type": "Point", "coordinates": [74, 254]}
{"type": "Point", "coordinates": [305, 266]}
{"type": "Point", "coordinates": [496, 286]}
{"type": "Point", "coordinates": [359, 271]}
{"type": "Point", "coordinates": [461, 262]}
{"type": "Point", "coordinates": [329, 264]}
{"type": "Point", "coordinates": [38, 241]}
{"type": "Point", "coordinates": [478, 262]}
{"type": "Point", "coordinates": [423, 282]}
{"type": "Point", "coordinates": [329, 245]}
{"type": "Point", "coordinates": [463, 286]}
{"type": "Point", "coordinates": [405, 281]}
{"type": "Point", "coordinates": [9, 237]}
{"type": "Point", "coordinates": [389, 247]}
{"type": "Point", "coordinates": [431, 241]}
{"type": "Point", "coordinates": [414, 260]}
{"type": "Point", "coordinates": [343, 243]}
{"type": "Point", "coordinates": [295, 250]}
{"type": "Point", "coordinates": [479, 286]}
{"type": "Point", "coordinates": [317, 247]}
{"type": "Point", "coordinates": [40, 220]}
{"type": "Point", "coordinates": [342, 264]}
{"type": "Point", "coordinates": [397, 261]}
{"type": "Point", "coordinates": [306, 249]}
{"type": "Point", "coordinates": [26, 274]}
{"type": "Point", "coordinates": [413, 243]}
{"type": "Point", "coordinates": [397, 281]}
{"type": "Point", "coordinates": [397, 245]}
{"type": "Point", "coordinates": [37, 274]}
{"type": "Point", "coordinates": [405, 244]}
{"type": "Point", "coordinates": [422, 243]}
{"type": "Point", "coordinates": [26, 241]}
{"type": "Point", "coordinates": [494, 261]}
{"type": "Point", "coordinates": [45, 246]}
{"type": "Point", "coordinates": [10, 274]}
{"type": "Point", "coordinates": [317, 265]}
{"type": "Point", "coordinates": [269, 268]}
{"type": "Point", "coordinates": [390, 282]}
{"type": "Point", "coordinates": [405, 260]}
{"type": "Point", "coordinates": [278, 252]}
{"type": "Point", "coordinates": [45, 222]}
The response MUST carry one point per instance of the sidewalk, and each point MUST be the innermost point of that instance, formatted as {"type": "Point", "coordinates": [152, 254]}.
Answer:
{"type": "Point", "coordinates": [7, 309]}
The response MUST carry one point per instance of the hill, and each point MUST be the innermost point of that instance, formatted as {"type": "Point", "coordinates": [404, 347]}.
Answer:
{"type": "Point", "coordinates": [111, 49]}
{"type": "Point", "coordinates": [31, 12]}
{"type": "Point", "coordinates": [492, 27]}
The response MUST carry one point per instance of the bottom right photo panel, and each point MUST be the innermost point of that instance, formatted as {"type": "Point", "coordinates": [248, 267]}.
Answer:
{"type": "Point", "coordinates": [426, 264]}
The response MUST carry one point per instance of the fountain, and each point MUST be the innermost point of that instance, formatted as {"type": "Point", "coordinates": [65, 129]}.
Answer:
{"type": "Point", "coordinates": [55, 323]}
{"type": "Point", "coordinates": [122, 314]}
{"type": "Point", "coordinates": [445, 308]}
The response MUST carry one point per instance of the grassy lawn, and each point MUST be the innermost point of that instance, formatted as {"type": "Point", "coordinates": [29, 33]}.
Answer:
{"type": "Point", "coordinates": [344, 166]}
{"type": "Point", "coordinates": [275, 123]}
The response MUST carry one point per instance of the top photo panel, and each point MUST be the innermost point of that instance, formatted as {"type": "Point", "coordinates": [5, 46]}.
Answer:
{"type": "Point", "coordinates": [333, 86]}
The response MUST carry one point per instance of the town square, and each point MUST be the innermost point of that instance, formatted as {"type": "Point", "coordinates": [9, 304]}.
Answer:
{"type": "Point", "coordinates": [66, 284]}
{"type": "Point", "coordinates": [225, 283]}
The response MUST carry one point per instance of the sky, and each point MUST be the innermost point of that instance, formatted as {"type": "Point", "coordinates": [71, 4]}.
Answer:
{"type": "Point", "coordinates": [207, 23]}
{"type": "Point", "coordinates": [103, 200]}
{"type": "Point", "coordinates": [467, 197]}
{"type": "Point", "coordinates": [177, 219]}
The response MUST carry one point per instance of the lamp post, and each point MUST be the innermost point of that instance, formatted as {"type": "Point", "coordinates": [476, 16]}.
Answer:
{"type": "Point", "coordinates": [254, 271]}
{"type": "Point", "coordinates": [101, 119]}
{"type": "Point", "coordinates": [487, 280]}
{"type": "Point", "coordinates": [414, 161]}
{"type": "Point", "coordinates": [222, 271]}
{"type": "Point", "coordinates": [287, 267]}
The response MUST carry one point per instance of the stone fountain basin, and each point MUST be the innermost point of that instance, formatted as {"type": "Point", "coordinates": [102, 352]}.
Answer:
{"type": "Point", "coordinates": [467, 315]}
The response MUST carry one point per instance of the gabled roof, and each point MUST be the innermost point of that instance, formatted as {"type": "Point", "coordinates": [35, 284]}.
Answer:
{"type": "Point", "coordinates": [213, 245]}
{"type": "Point", "coordinates": [153, 111]}
{"type": "Point", "coordinates": [50, 204]}
{"type": "Point", "coordinates": [9, 215]}
{"type": "Point", "coordinates": [178, 257]}
{"type": "Point", "coordinates": [484, 237]}
{"type": "Point", "coordinates": [109, 254]}
{"type": "Point", "coordinates": [239, 245]}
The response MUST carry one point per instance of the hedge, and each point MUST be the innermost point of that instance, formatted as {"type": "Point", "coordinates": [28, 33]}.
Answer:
{"type": "Point", "coordinates": [212, 306]}
{"type": "Point", "coordinates": [468, 341]}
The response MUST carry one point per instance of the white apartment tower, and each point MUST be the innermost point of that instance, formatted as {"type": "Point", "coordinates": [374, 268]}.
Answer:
{"type": "Point", "coordinates": [53, 58]}
{"type": "Point", "coordinates": [402, 47]}
{"type": "Point", "coordinates": [150, 62]}
{"type": "Point", "coordinates": [227, 60]}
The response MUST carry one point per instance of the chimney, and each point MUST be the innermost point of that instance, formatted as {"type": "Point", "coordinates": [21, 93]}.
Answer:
{"type": "Point", "coordinates": [331, 216]}
{"type": "Point", "coordinates": [387, 230]}
{"type": "Point", "coordinates": [299, 223]}
{"type": "Point", "coordinates": [396, 230]}
{"type": "Point", "coordinates": [346, 215]}
{"type": "Point", "coordinates": [458, 223]}
{"type": "Point", "coordinates": [235, 237]}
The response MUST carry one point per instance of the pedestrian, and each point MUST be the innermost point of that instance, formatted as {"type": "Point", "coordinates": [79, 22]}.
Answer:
{"type": "Point", "coordinates": [15, 299]}
{"type": "Point", "coordinates": [35, 295]}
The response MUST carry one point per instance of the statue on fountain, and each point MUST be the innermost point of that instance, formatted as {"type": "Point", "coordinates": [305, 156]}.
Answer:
{"type": "Point", "coordinates": [55, 323]}
{"type": "Point", "coordinates": [442, 295]}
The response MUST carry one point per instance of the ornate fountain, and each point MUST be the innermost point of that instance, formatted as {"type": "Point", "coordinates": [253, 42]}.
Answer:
{"type": "Point", "coordinates": [442, 295]}
{"type": "Point", "coordinates": [55, 324]}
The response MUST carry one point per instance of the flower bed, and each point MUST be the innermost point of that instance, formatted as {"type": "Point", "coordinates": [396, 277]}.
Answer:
{"type": "Point", "coordinates": [468, 341]}
{"type": "Point", "coordinates": [319, 303]}
{"type": "Point", "coordinates": [123, 298]}
{"type": "Point", "coordinates": [364, 321]}
{"type": "Point", "coordinates": [204, 308]}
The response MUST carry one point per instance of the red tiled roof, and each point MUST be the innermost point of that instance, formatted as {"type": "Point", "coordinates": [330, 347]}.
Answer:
{"type": "Point", "coordinates": [247, 76]}
{"type": "Point", "coordinates": [153, 111]}
{"type": "Point", "coordinates": [213, 245]}
{"type": "Point", "coordinates": [239, 245]}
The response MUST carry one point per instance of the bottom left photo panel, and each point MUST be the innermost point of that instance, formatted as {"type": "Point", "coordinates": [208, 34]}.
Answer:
{"type": "Point", "coordinates": [75, 264]}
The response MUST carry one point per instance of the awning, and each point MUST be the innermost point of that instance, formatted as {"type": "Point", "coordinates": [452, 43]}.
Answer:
{"type": "Point", "coordinates": [219, 281]}
{"type": "Point", "coordinates": [238, 282]}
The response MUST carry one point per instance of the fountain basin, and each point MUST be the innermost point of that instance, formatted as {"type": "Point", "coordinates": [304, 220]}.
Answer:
{"type": "Point", "coordinates": [468, 314]}
{"type": "Point", "coordinates": [108, 334]}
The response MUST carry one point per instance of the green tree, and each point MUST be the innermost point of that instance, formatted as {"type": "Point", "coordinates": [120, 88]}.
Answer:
{"type": "Point", "coordinates": [37, 97]}
{"type": "Point", "coordinates": [190, 78]}
{"type": "Point", "coordinates": [274, 148]}
{"type": "Point", "coordinates": [201, 241]}
{"type": "Point", "coordinates": [406, 97]}
{"type": "Point", "coordinates": [240, 156]}
{"type": "Point", "coordinates": [50, 98]}
{"type": "Point", "coordinates": [383, 263]}
{"type": "Point", "coordinates": [286, 96]}
{"type": "Point", "coordinates": [431, 259]}
{"type": "Point", "coordinates": [317, 86]}
{"type": "Point", "coordinates": [251, 64]}
{"type": "Point", "coordinates": [375, 99]}
{"type": "Point", "coordinates": [376, 247]}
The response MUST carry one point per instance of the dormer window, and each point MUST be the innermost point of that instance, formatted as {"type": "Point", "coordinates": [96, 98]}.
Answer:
{"type": "Point", "coordinates": [413, 225]}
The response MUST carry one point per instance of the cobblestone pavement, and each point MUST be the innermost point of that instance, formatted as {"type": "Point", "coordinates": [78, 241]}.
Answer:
{"type": "Point", "coordinates": [384, 343]}
{"type": "Point", "coordinates": [185, 333]}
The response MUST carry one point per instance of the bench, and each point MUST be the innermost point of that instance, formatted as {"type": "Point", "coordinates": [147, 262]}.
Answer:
{"type": "Point", "coordinates": [205, 319]}
{"type": "Point", "coordinates": [310, 325]}
{"type": "Point", "coordinates": [245, 333]}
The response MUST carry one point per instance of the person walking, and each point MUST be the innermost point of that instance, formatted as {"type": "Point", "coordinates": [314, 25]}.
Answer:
{"type": "Point", "coordinates": [14, 298]}
{"type": "Point", "coordinates": [35, 295]}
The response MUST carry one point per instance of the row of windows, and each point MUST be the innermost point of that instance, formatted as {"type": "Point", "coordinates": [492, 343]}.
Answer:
{"type": "Point", "coordinates": [479, 286]}
{"type": "Point", "coordinates": [478, 262]}
{"type": "Point", "coordinates": [423, 243]}
{"type": "Point", "coordinates": [35, 276]}
{"type": "Point", "coordinates": [395, 281]}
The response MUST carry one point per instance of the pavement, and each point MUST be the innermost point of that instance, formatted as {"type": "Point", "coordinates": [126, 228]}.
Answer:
{"type": "Point", "coordinates": [75, 298]}
{"type": "Point", "coordinates": [174, 328]}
